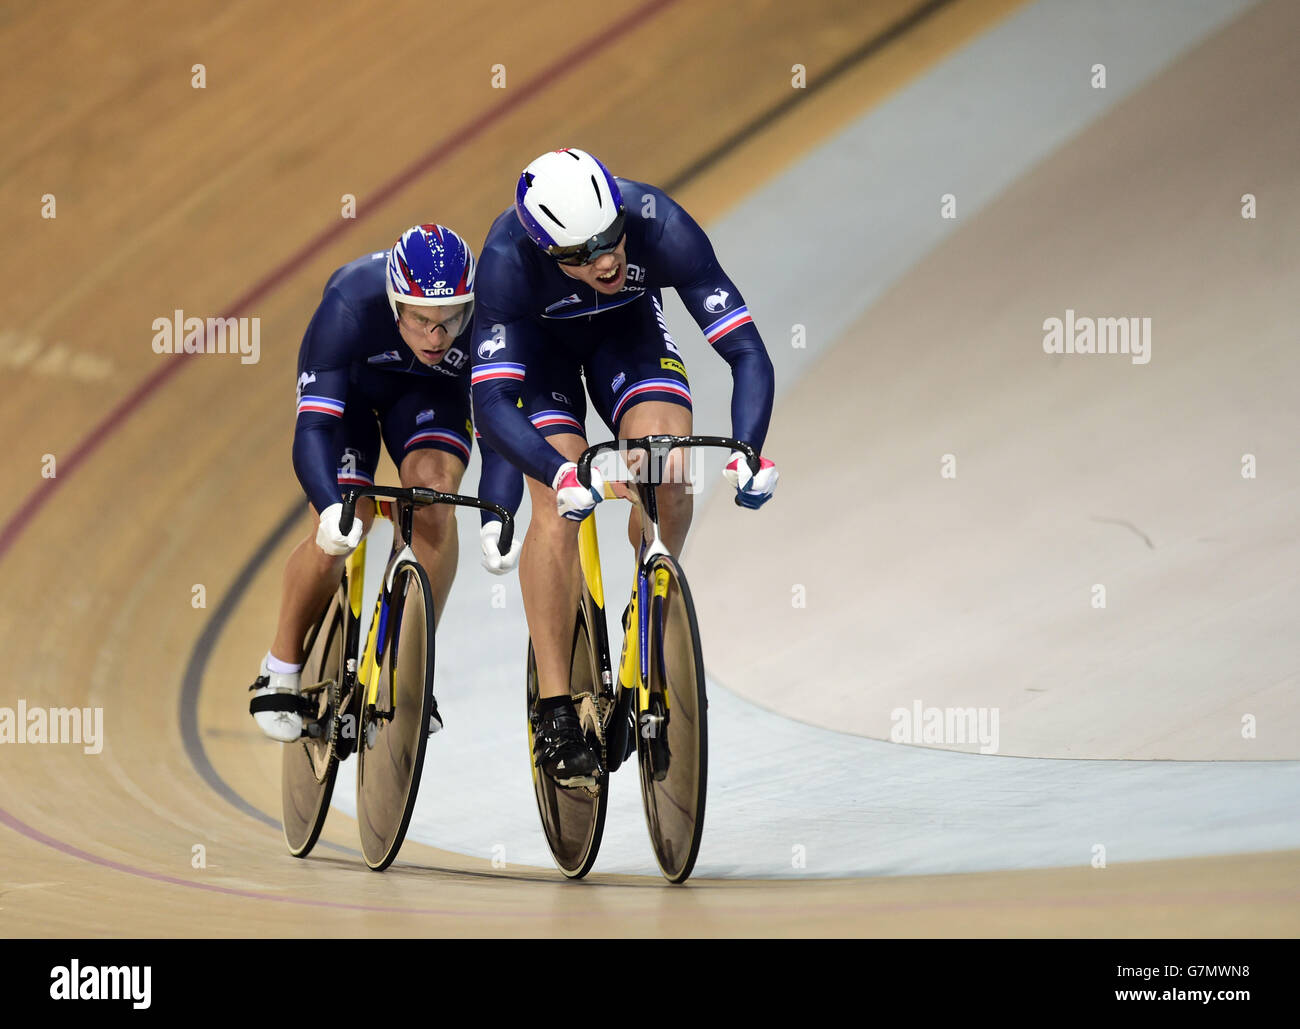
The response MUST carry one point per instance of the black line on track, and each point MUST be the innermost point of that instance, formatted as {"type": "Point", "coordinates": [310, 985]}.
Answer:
{"type": "Point", "coordinates": [203, 648]}
{"type": "Point", "coordinates": [847, 63]}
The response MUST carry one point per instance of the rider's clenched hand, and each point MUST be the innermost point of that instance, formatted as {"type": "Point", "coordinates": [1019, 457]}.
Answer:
{"type": "Point", "coordinates": [752, 490]}
{"type": "Point", "coordinates": [493, 560]}
{"type": "Point", "coordinates": [328, 537]}
{"type": "Point", "coordinates": [573, 500]}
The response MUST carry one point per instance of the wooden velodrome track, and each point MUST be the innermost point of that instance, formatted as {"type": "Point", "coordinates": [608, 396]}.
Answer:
{"type": "Point", "coordinates": [167, 471]}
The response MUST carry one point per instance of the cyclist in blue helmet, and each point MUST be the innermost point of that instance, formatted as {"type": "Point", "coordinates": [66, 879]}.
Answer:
{"type": "Point", "coordinates": [385, 356]}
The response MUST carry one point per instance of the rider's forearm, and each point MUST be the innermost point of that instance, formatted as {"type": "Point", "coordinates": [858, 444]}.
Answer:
{"type": "Point", "coordinates": [314, 462]}
{"type": "Point", "coordinates": [499, 482]}
{"type": "Point", "coordinates": [509, 432]}
{"type": "Point", "coordinates": [753, 386]}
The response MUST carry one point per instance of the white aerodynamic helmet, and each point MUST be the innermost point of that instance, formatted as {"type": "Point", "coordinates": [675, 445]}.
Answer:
{"type": "Point", "coordinates": [570, 205]}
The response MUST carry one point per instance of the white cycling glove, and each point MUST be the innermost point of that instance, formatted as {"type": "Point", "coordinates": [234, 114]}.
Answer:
{"type": "Point", "coordinates": [573, 500]}
{"type": "Point", "coordinates": [328, 537]}
{"type": "Point", "coordinates": [489, 536]}
{"type": "Point", "coordinates": [752, 490]}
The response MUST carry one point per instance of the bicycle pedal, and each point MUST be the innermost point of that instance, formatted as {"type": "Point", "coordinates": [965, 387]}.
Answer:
{"type": "Point", "coordinates": [587, 782]}
{"type": "Point", "coordinates": [593, 712]}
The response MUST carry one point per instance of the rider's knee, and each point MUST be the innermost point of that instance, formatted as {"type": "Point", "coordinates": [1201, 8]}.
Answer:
{"type": "Point", "coordinates": [435, 521]}
{"type": "Point", "coordinates": [676, 471]}
{"type": "Point", "coordinates": [434, 514]}
{"type": "Point", "coordinates": [431, 469]}
{"type": "Point", "coordinates": [555, 530]}
{"type": "Point", "coordinates": [675, 496]}
{"type": "Point", "coordinates": [324, 564]}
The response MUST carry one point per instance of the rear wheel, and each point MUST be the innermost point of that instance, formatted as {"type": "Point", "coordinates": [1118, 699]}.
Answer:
{"type": "Point", "coordinates": [573, 819]}
{"type": "Point", "coordinates": [672, 736]}
{"type": "Point", "coordinates": [394, 731]}
{"type": "Point", "coordinates": [308, 767]}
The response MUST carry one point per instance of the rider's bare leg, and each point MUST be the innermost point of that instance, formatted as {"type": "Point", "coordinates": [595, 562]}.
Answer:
{"type": "Point", "coordinates": [310, 578]}
{"type": "Point", "coordinates": [550, 578]}
{"type": "Point", "coordinates": [675, 503]}
{"type": "Point", "coordinates": [433, 533]}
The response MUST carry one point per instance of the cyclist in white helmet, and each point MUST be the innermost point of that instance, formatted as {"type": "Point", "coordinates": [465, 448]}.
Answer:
{"type": "Point", "coordinates": [569, 289]}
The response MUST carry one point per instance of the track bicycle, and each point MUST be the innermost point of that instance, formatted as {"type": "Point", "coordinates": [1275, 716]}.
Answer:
{"type": "Point", "coordinates": [657, 705]}
{"type": "Point", "coordinates": [377, 701]}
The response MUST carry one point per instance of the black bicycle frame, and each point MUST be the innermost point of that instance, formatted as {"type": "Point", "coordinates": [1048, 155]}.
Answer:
{"type": "Point", "coordinates": [419, 496]}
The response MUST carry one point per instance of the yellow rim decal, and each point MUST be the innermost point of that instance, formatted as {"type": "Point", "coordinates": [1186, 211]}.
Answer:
{"type": "Point", "coordinates": [628, 666]}
{"type": "Point", "coordinates": [531, 745]}
{"type": "Point", "coordinates": [369, 674]}
{"type": "Point", "coordinates": [662, 579]}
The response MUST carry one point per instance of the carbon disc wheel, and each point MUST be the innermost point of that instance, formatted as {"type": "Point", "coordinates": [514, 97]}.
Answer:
{"type": "Point", "coordinates": [573, 820]}
{"type": "Point", "coordinates": [394, 731]}
{"type": "Point", "coordinates": [672, 736]}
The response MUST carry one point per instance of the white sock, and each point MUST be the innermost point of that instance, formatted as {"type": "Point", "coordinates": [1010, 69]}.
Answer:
{"type": "Point", "coordinates": [274, 664]}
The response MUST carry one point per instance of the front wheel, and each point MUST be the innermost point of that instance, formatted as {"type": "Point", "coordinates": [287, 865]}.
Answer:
{"type": "Point", "coordinates": [394, 729]}
{"type": "Point", "coordinates": [672, 731]}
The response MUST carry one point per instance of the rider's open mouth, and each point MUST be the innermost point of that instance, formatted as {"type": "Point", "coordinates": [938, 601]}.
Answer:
{"type": "Point", "coordinates": [611, 278]}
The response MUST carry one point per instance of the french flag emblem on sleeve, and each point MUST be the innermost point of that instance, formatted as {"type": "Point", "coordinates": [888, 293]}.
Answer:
{"type": "Point", "coordinates": [727, 323]}
{"type": "Point", "coordinates": [321, 405]}
{"type": "Point", "coordinates": [493, 372]}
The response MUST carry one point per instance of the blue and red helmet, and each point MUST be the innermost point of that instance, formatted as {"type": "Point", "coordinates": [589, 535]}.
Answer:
{"type": "Point", "coordinates": [430, 266]}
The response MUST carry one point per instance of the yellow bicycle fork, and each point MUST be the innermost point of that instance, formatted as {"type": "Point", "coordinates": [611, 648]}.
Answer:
{"type": "Point", "coordinates": [368, 673]}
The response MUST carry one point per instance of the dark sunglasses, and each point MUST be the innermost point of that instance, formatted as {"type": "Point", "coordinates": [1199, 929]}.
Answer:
{"type": "Point", "coordinates": [584, 253]}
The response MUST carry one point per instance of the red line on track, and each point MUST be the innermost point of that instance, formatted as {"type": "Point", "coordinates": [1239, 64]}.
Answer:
{"type": "Point", "coordinates": [1116, 900]}
{"type": "Point", "coordinates": [230, 891]}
